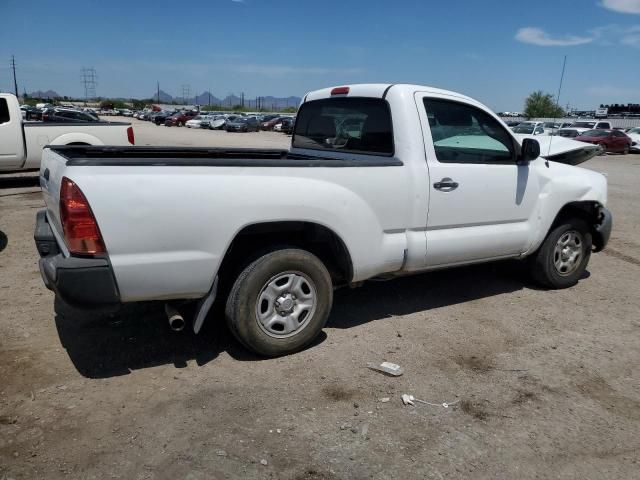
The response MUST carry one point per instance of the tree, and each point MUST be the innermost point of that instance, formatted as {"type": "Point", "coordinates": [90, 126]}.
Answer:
{"type": "Point", "coordinates": [541, 105]}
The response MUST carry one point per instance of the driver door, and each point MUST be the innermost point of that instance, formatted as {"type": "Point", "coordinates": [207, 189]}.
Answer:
{"type": "Point", "coordinates": [482, 204]}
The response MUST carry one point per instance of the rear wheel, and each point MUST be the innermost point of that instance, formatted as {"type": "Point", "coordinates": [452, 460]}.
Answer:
{"type": "Point", "coordinates": [563, 256]}
{"type": "Point", "coordinates": [626, 149]}
{"type": "Point", "coordinates": [280, 302]}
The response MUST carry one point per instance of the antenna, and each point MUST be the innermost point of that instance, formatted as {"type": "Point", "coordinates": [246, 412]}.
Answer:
{"type": "Point", "coordinates": [564, 64]}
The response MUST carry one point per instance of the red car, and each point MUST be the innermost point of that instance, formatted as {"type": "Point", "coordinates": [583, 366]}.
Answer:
{"type": "Point", "coordinates": [609, 140]}
{"type": "Point", "coordinates": [269, 122]}
{"type": "Point", "coordinates": [179, 119]}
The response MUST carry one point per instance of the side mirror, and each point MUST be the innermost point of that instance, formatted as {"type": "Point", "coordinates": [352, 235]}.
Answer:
{"type": "Point", "coordinates": [530, 151]}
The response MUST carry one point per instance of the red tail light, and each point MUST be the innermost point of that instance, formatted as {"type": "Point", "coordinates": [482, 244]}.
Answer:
{"type": "Point", "coordinates": [340, 91]}
{"type": "Point", "coordinates": [130, 136]}
{"type": "Point", "coordinates": [81, 231]}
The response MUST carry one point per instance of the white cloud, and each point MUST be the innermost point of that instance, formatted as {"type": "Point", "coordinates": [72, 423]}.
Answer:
{"type": "Point", "coordinates": [537, 36]}
{"type": "Point", "coordinates": [622, 6]}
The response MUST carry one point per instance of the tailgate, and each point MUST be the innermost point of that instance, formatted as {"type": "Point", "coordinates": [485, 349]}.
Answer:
{"type": "Point", "coordinates": [52, 170]}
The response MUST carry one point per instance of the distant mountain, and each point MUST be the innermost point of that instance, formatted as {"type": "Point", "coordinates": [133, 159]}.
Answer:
{"type": "Point", "coordinates": [41, 94]}
{"type": "Point", "coordinates": [206, 98]}
{"type": "Point", "coordinates": [268, 103]}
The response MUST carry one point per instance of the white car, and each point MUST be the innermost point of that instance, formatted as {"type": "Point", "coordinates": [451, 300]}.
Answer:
{"type": "Point", "coordinates": [634, 134]}
{"type": "Point", "coordinates": [429, 179]}
{"type": "Point", "coordinates": [21, 142]}
{"type": "Point", "coordinates": [196, 121]}
{"type": "Point", "coordinates": [529, 128]}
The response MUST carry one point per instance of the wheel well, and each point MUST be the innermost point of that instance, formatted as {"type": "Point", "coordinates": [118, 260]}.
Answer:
{"type": "Point", "coordinates": [254, 240]}
{"type": "Point", "coordinates": [587, 211]}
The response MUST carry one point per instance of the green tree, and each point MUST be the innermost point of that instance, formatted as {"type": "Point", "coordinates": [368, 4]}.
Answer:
{"type": "Point", "coordinates": [541, 105]}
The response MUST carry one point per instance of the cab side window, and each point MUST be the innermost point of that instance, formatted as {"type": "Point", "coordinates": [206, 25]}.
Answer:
{"type": "Point", "coordinates": [4, 111]}
{"type": "Point", "coordinates": [465, 134]}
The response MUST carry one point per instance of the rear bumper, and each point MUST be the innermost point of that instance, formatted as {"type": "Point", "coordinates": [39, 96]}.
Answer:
{"type": "Point", "coordinates": [81, 282]}
{"type": "Point", "coordinates": [602, 230]}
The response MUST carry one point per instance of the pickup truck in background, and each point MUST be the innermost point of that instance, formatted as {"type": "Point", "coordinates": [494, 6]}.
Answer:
{"type": "Point", "coordinates": [380, 181]}
{"type": "Point", "coordinates": [577, 128]}
{"type": "Point", "coordinates": [21, 143]}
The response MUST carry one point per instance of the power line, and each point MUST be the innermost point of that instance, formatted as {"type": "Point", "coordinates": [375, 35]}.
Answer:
{"type": "Point", "coordinates": [13, 66]}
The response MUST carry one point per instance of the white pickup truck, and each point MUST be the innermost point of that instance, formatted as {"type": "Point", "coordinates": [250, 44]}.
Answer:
{"type": "Point", "coordinates": [380, 181]}
{"type": "Point", "coordinates": [21, 142]}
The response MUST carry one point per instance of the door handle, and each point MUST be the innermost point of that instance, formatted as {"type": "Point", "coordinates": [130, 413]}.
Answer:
{"type": "Point", "coordinates": [446, 184]}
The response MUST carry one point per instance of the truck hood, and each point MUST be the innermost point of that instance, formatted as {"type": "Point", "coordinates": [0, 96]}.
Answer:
{"type": "Point", "coordinates": [562, 149]}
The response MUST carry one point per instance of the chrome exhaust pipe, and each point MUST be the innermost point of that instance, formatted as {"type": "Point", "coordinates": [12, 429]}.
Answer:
{"type": "Point", "coordinates": [176, 320]}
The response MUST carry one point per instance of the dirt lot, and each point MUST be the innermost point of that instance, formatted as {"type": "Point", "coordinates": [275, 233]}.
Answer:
{"type": "Point", "coordinates": [547, 382]}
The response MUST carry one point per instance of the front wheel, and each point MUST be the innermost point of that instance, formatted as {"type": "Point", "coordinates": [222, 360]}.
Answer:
{"type": "Point", "coordinates": [626, 149]}
{"type": "Point", "coordinates": [563, 256]}
{"type": "Point", "coordinates": [280, 302]}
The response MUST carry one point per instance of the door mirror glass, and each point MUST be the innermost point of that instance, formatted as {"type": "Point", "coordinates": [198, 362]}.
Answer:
{"type": "Point", "coordinates": [530, 150]}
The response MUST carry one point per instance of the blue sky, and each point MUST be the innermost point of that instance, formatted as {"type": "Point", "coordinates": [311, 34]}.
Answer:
{"type": "Point", "coordinates": [495, 50]}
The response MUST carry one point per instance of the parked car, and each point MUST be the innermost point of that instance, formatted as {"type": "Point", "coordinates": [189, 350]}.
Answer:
{"type": "Point", "coordinates": [21, 143]}
{"type": "Point", "coordinates": [287, 124]}
{"type": "Point", "coordinates": [58, 114]}
{"type": "Point", "coordinates": [196, 122]}
{"type": "Point", "coordinates": [220, 121]}
{"type": "Point", "coordinates": [179, 119]}
{"type": "Point", "coordinates": [269, 233]}
{"type": "Point", "coordinates": [529, 128]}
{"type": "Point", "coordinates": [159, 117]}
{"type": "Point", "coordinates": [634, 135]}
{"type": "Point", "coordinates": [610, 140]}
{"type": "Point", "coordinates": [243, 124]}
{"type": "Point", "coordinates": [269, 122]}
{"type": "Point", "coordinates": [577, 128]}
{"type": "Point", "coordinates": [512, 123]}
{"type": "Point", "coordinates": [31, 113]}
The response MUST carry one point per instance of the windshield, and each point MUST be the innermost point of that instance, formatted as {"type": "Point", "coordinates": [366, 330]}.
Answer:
{"type": "Point", "coordinates": [551, 125]}
{"type": "Point", "coordinates": [524, 128]}
{"type": "Point", "coordinates": [634, 130]}
{"type": "Point", "coordinates": [584, 124]}
{"type": "Point", "coordinates": [595, 133]}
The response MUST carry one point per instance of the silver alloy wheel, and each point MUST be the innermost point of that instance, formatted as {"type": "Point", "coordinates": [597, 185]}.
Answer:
{"type": "Point", "coordinates": [286, 303]}
{"type": "Point", "coordinates": [567, 254]}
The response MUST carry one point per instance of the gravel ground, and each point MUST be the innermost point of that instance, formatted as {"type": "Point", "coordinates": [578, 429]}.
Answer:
{"type": "Point", "coordinates": [546, 382]}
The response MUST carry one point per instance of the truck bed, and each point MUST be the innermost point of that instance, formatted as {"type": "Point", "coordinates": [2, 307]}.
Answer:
{"type": "Point", "coordinates": [211, 157]}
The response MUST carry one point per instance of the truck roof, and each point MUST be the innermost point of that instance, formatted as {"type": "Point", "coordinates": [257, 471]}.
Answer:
{"type": "Point", "coordinates": [379, 90]}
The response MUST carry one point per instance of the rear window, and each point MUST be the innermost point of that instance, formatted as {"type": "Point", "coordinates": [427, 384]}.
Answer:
{"type": "Point", "coordinates": [358, 125]}
{"type": "Point", "coordinates": [4, 111]}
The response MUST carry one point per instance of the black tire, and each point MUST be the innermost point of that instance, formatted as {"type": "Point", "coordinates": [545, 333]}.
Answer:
{"type": "Point", "coordinates": [543, 263]}
{"type": "Point", "coordinates": [241, 310]}
{"type": "Point", "coordinates": [626, 150]}
{"type": "Point", "coordinates": [179, 124]}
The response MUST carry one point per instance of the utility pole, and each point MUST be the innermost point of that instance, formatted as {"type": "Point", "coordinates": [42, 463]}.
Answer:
{"type": "Point", "coordinates": [209, 91]}
{"type": "Point", "coordinates": [89, 80]}
{"type": "Point", "coordinates": [158, 89]}
{"type": "Point", "coordinates": [186, 92]}
{"type": "Point", "coordinates": [242, 99]}
{"type": "Point", "coordinates": [13, 66]}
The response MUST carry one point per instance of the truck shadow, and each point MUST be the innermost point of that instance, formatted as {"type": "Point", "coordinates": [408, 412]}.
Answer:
{"type": "Point", "coordinates": [403, 296]}
{"type": "Point", "coordinates": [19, 181]}
{"type": "Point", "coordinates": [137, 336]}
